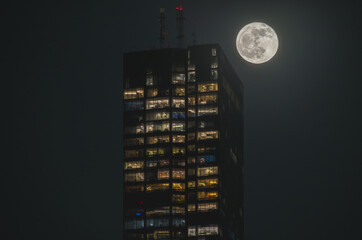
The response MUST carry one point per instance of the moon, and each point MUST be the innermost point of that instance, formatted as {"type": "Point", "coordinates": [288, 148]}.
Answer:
{"type": "Point", "coordinates": [257, 42]}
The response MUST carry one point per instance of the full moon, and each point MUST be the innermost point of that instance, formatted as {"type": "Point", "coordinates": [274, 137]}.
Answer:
{"type": "Point", "coordinates": [257, 42]}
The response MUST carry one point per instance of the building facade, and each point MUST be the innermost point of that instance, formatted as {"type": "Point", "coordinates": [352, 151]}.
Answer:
{"type": "Point", "coordinates": [183, 145]}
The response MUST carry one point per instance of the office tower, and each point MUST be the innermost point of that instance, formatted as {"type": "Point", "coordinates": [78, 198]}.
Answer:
{"type": "Point", "coordinates": [183, 145]}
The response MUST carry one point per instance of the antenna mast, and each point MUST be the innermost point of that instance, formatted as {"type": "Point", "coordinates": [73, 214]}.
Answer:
{"type": "Point", "coordinates": [162, 28]}
{"type": "Point", "coordinates": [180, 25]}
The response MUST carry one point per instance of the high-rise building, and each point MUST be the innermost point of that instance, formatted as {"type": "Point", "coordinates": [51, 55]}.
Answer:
{"type": "Point", "coordinates": [183, 145]}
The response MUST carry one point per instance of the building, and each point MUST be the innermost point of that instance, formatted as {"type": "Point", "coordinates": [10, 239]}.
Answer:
{"type": "Point", "coordinates": [183, 145]}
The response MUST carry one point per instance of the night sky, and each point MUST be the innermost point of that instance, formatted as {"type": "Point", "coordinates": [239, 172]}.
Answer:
{"type": "Point", "coordinates": [63, 72]}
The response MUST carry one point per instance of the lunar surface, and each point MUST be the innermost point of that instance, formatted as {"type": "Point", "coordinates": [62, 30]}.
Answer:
{"type": "Point", "coordinates": [257, 42]}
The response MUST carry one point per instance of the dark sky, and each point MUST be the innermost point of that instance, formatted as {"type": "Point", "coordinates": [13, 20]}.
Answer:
{"type": "Point", "coordinates": [63, 70]}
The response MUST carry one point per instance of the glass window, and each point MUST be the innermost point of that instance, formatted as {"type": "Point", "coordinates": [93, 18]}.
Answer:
{"type": "Point", "coordinates": [157, 126]}
{"type": "Point", "coordinates": [158, 139]}
{"type": "Point", "coordinates": [207, 135]}
{"type": "Point", "coordinates": [191, 196]}
{"type": "Point", "coordinates": [178, 151]}
{"type": "Point", "coordinates": [178, 138]}
{"type": "Point", "coordinates": [134, 141]}
{"type": "Point", "coordinates": [149, 80]}
{"type": "Point", "coordinates": [178, 186]}
{"type": "Point", "coordinates": [178, 222]}
{"type": "Point", "coordinates": [208, 87]}
{"type": "Point", "coordinates": [191, 172]}
{"type": "Point", "coordinates": [192, 76]}
{"type": "Point", "coordinates": [191, 67]}
{"type": "Point", "coordinates": [207, 99]}
{"type": "Point", "coordinates": [164, 162]}
{"type": "Point", "coordinates": [205, 111]}
{"type": "Point", "coordinates": [158, 211]}
{"type": "Point", "coordinates": [157, 115]}
{"type": "Point", "coordinates": [191, 124]}
{"type": "Point", "coordinates": [135, 188]}
{"type": "Point", "coordinates": [207, 124]}
{"type": "Point", "coordinates": [205, 207]}
{"type": "Point", "coordinates": [191, 148]}
{"type": "Point", "coordinates": [133, 165]}
{"type": "Point", "coordinates": [150, 152]}
{"type": "Point", "coordinates": [133, 153]}
{"type": "Point", "coordinates": [153, 92]}
{"type": "Point", "coordinates": [134, 177]}
{"type": "Point", "coordinates": [205, 149]}
{"type": "Point", "coordinates": [178, 210]}
{"type": "Point", "coordinates": [214, 63]}
{"type": "Point", "coordinates": [207, 195]}
{"type": "Point", "coordinates": [191, 231]}
{"type": "Point", "coordinates": [132, 118]}
{"type": "Point", "coordinates": [138, 129]}
{"type": "Point", "coordinates": [179, 162]}
{"type": "Point", "coordinates": [178, 102]}
{"type": "Point", "coordinates": [157, 187]}
{"type": "Point", "coordinates": [178, 91]}
{"type": "Point", "coordinates": [191, 208]}
{"type": "Point", "coordinates": [151, 176]}
{"type": "Point", "coordinates": [207, 230]}
{"type": "Point", "coordinates": [178, 78]}
{"type": "Point", "coordinates": [178, 126]}
{"type": "Point", "coordinates": [191, 184]}
{"type": "Point", "coordinates": [178, 115]}
{"type": "Point", "coordinates": [133, 105]}
{"type": "Point", "coordinates": [157, 103]}
{"type": "Point", "coordinates": [191, 136]}
{"type": "Point", "coordinates": [191, 160]}
{"type": "Point", "coordinates": [214, 74]}
{"type": "Point", "coordinates": [178, 173]}
{"type": "Point", "coordinates": [151, 163]}
{"type": "Point", "coordinates": [134, 224]}
{"type": "Point", "coordinates": [207, 183]}
{"type": "Point", "coordinates": [178, 198]}
{"type": "Point", "coordinates": [206, 159]}
{"type": "Point", "coordinates": [191, 100]}
{"type": "Point", "coordinates": [157, 222]}
{"type": "Point", "coordinates": [191, 112]}
{"type": "Point", "coordinates": [207, 171]}
{"type": "Point", "coordinates": [133, 93]}
{"type": "Point", "coordinates": [213, 52]}
{"type": "Point", "coordinates": [163, 174]}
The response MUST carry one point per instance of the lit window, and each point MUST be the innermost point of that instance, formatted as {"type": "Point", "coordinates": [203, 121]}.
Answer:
{"type": "Point", "coordinates": [206, 111]}
{"type": "Point", "coordinates": [207, 124]}
{"type": "Point", "coordinates": [207, 195]}
{"type": "Point", "coordinates": [178, 115]}
{"type": "Point", "coordinates": [133, 165]}
{"type": "Point", "coordinates": [178, 174]}
{"type": "Point", "coordinates": [178, 222]}
{"type": "Point", "coordinates": [158, 139]}
{"type": "Point", "coordinates": [205, 207]}
{"type": "Point", "coordinates": [157, 187]}
{"type": "Point", "coordinates": [191, 231]}
{"type": "Point", "coordinates": [208, 87]}
{"type": "Point", "coordinates": [191, 160]}
{"type": "Point", "coordinates": [153, 92]}
{"type": "Point", "coordinates": [164, 162]}
{"type": "Point", "coordinates": [157, 103]}
{"type": "Point", "coordinates": [179, 91]}
{"type": "Point", "coordinates": [178, 198]}
{"type": "Point", "coordinates": [178, 126]}
{"type": "Point", "coordinates": [138, 129]}
{"type": "Point", "coordinates": [191, 100]}
{"type": "Point", "coordinates": [178, 186]}
{"type": "Point", "coordinates": [159, 234]}
{"type": "Point", "coordinates": [151, 163]}
{"type": "Point", "coordinates": [207, 171]}
{"type": "Point", "coordinates": [133, 105]}
{"type": "Point", "coordinates": [191, 112]}
{"type": "Point", "coordinates": [178, 78]}
{"type": "Point", "coordinates": [191, 184]}
{"type": "Point", "coordinates": [207, 183]}
{"type": "Point", "coordinates": [163, 174]}
{"type": "Point", "coordinates": [149, 80]}
{"type": "Point", "coordinates": [206, 159]}
{"type": "Point", "coordinates": [157, 127]}
{"type": "Point", "coordinates": [134, 141]}
{"type": "Point", "coordinates": [133, 93]}
{"type": "Point", "coordinates": [157, 222]}
{"type": "Point", "coordinates": [191, 67]}
{"type": "Point", "coordinates": [179, 162]}
{"type": "Point", "coordinates": [178, 138]}
{"type": "Point", "coordinates": [207, 135]}
{"type": "Point", "coordinates": [191, 208]}
{"type": "Point", "coordinates": [207, 99]}
{"type": "Point", "coordinates": [150, 152]}
{"type": "Point", "coordinates": [157, 115]}
{"type": "Point", "coordinates": [178, 210]}
{"type": "Point", "coordinates": [134, 177]}
{"type": "Point", "coordinates": [133, 153]}
{"type": "Point", "coordinates": [136, 188]}
{"type": "Point", "coordinates": [214, 63]}
{"type": "Point", "coordinates": [192, 76]}
{"type": "Point", "coordinates": [191, 148]}
{"type": "Point", "coordinates": [213, 52]}
{"type": "Point", "coordinates": [158, 211]}
{"type": "Point", "coordinates": [178, 151]}
{"type": "Point", "coordinates": [214, 74]}
{"type": "Point", "coordinates": [207, 230]}
{"type": "Point", "coordinates": [178, 102]}
{"type": "Point", "coordinates": [206, 149]}
{"type": "Point", "coordinates": [134, 224]}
